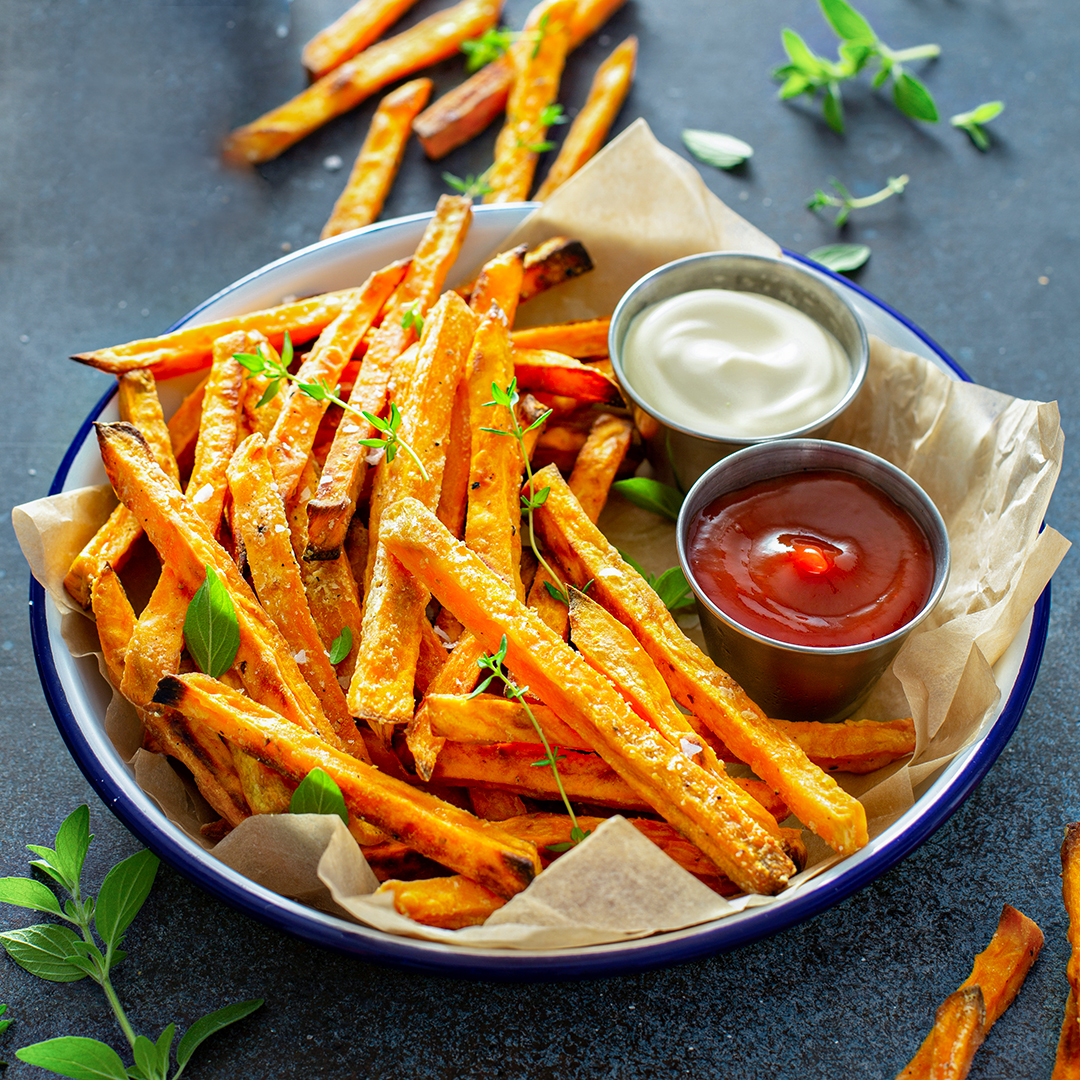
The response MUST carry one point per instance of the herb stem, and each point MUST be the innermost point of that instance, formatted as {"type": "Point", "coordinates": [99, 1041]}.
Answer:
{"type": "Point", "coordinates": [117, 1008]}
{"type": "Point", "coordinates": [520, 695]}
{"type": "Point", "coordinates": [894, 187]}
{"type": "Point", "coordinates": [916, 52]}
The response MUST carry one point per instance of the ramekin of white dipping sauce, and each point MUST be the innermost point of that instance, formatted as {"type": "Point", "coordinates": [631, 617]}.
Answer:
{"type": "Point", "coordinates": [723, 350]}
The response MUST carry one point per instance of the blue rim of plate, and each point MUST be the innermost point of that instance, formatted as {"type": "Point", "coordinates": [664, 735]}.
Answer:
{"type": "Point", "coordinates": [141, 816]}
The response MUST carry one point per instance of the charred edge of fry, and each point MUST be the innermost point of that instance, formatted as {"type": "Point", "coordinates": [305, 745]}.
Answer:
{"type": "Point", "coordinates": [553, 262]}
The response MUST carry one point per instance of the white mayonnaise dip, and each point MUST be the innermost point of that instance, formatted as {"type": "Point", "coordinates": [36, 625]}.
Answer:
{"type": "Point", "coordinates": [734, 364]}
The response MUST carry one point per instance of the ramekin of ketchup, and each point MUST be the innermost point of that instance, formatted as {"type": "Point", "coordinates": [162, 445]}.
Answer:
{"type": "Point", "coordinates": [811, 562]}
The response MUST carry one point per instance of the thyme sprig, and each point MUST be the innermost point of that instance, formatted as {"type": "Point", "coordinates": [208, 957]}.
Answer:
{"type": "Point", "coordinates": [846, 202]}
{"type": "Point", "coordinates": [390, 440]}
{"type": "Point", "coordinates": [493, 664]}
{"type": "Point", "coordinates": [508, 399]}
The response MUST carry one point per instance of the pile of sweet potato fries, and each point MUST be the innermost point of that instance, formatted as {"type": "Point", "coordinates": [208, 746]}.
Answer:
{"type": "Point", "coordinates": [350, 64]}
{"type": "Point", "coordinates": [410, 567]}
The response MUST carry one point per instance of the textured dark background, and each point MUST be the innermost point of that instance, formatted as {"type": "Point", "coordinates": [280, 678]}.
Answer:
{"type": "Point", "coordinates": [117, 216]}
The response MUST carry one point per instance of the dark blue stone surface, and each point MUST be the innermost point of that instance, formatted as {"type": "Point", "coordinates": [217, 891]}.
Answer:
{"type": "Point", "coordinates": [117, 216]}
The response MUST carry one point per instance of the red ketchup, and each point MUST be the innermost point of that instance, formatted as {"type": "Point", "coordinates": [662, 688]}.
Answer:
{"type": "Point", "coordinates": [819, 558]}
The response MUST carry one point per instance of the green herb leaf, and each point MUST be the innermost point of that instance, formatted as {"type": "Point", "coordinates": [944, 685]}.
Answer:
{"type": "Point", "coordinates": [913, 99]}
{"type": "Point", "coordinates": [801, 56]}
{"type": "Point", "coordinates": [840, 257]}
{"type": "Point", "coordinates": [832, 108]}
{"type": "Point", "coordinates": [318, 794]}
{"type": "Point", "coordinates": [556, 593]}
{"type": "Point", "coordinates": [211, 631]}
{"type": "Point", "coordinates": [471, 186]}
{"type": "Point", "coordinates": [4, 1024]}
{"type": "Point", "coordinates": [847, 22]}
{"type": "Point", "coordinates": [982, 114]}
{"type": "Point", "coordinates": [413, 318]}
{"type": "Point", "coordinates": [75, 1057]}
{"type": "Point", "coordinates": [27, 893]}
{"type": "Point", "coordinates": [209, 1025]}
{"type": "Point", "coordinates": [651, 495]}
{"type": "Point", "coordinates": [286, 351]}
{"type": "Point", "coordinates": [674, 590]}
{"type": "Point", "coordinates": [551, 115]}
{"type": "Point", "coordinates": [64, 864]}
{"type": "Point", "coordinates": [715, 148]}
{"type": "Point", "coordinates": [45, 951]}
{"type": "Point", "coordinates": [490, 45]}
{"type": "Point", "coordinates": [123, 893]}
{"type": "Point", "coordinates": [794, 85]}
{"type": "Point", "coordinates": [148, 1056]}
{"type": "Point", "coordinates": [342, 646]}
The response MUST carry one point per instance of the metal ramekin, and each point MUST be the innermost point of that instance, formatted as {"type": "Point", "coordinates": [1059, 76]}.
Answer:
{"type": "Point", "coordinates": [800, 682]}
{"type": "Point", "coordinates": [678, 453]}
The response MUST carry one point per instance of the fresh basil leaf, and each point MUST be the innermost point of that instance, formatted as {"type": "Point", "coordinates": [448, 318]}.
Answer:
{"type": "Point", "coordinates": [209, 1025]}
{"type": "Point", "coordinates": [913, 99]}
{"type": "Point", "coordinates": [342, 646]}
{"type": "Point", "coordinates": [674, 590]}
{"type": "Point", "coordinates": [651, 495]}
{"type": "Point", "coordinates": [27, 893]}
{"type": "Point", "coordinates": [715, 148]}
{"type": "Point", "coordinates": [832, 108]}
{"type": "Point", "coordinates": [123, 893]}
{"type": "Point", "coordinates": [840, 257]}
{"type": "Point", "coordinates": [211, 631]}
{"type": "Point", "coordinates": [847, 22]}
{"type": "Point", "coordinates": [45, 951]}
{"type": "Point", "coordinates": [318, 794]}
{"type": "Point", "coordinates": [75, 1057]}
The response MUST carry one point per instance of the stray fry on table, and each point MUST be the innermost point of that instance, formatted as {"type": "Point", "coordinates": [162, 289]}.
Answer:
{"type": "Point", "coordinates": [351, 33]}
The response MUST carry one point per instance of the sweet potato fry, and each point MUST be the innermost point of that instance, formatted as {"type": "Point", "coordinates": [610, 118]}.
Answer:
{"type": "Point", "coordinates": [490, 719]}
{"type": "Point", "coordinates": [478, 849]}
{"type": "Point", "coordinates": [500, 283]}
{"type": "Point", "coordinates": [1070, 893]}
{"type": "Point", "coordinates": [293, 434]}
{"type": "Point", "coordinates": [670, 783]}
{"type": "Point", "coordinates": [958, 1031]}
{"type": "Point", "coordinates": [190, 349]}
{"type": "Point", "coordinates": [437, 38]}
{"type": "Point", "coordinates": [259, 524]}
{"type": "Point", "coordinates": [448, 902]}
{"type": "Point", "coordinates": [1067, 1060]}
{"type": "Point", "coordinates": [362, 25]}
{"type": "Point", "coordinates": [493, 523]}
{"type": "Point", "coordinates": [999, 972]}
{"type": "Point", "coordinates": [111, 544]}
{"type": "Point", "coordinates": [594, 469]}
{"type": "Point", "coordinates": [585, 554]}
{"type": "Point", "coordinates": [612, 650]}
{"type": "Point", "coordinates": [264, 661]}
{"type": "Point", "coordinates": [115, 621]}
{"type": "Point", "coordinates": [855, 746]}
{"type": "Point", "coordinates": [222, 405]}
{"type": "Point", "coordinates": [331, 509]}
{"type": "Point", "coordinates": [556, 373]}
{"type": "Point", "coordinates": [495, 805]}
{"type": "Point", "coordinates": [379, 159]}
{"type": "Point", "coordinates": [588, 337]}
{"type": "Point", "coordinates": [609, 88]}
{"type": "Point", "coordinates": [537, 59]}
{"type": "Point", "coordinates": [454, 496]}
{"type": "Point", "coordinates": [431, 658]}
{"type": "Point", "coordinates": [513, 767]}
{"type": "Point", "coordinates": [553, 262]}
{"type": "Point", "coordinates": [465, 111]}
{"type": "Point", "coordinates": [381, 690]}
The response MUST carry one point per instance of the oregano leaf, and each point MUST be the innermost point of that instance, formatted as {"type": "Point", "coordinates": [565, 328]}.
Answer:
{"type": "Point", "coordinates": [913, 99]}
{"type": "Point", "coordinates": [341, 646]}
{"type": "Point", "coordinates": [716, 148]}
{"type": "Point", "coordinates": [209, 1025]}
{"type": "Point", "coordinates": [840, 257]}
{"type": "Point", "coordinates": [123, 893]}
{"type": "Point", "coordinates": [28, 893]}
{"type": "Point", "coordinates": [651, 495]}
{"type": "Point", "coordinates": [75, 1057]}
{"type": "Point", "coordinates": [45, 951]}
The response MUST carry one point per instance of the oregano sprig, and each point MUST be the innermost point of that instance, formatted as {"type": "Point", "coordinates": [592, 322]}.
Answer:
{"type": "Point", "coordinates": [846, 202]}
{"type": "Point", "coordinates": [808, 73]}
{"type": "Point", "coordinates": [89, 947]}
{"type": "Point", "coordinates": [258, 363]}
{"type": "Point", "coordinates": [490, 45]}
{"type": "Point", "coordinates": [508, 398]}
{"type": "Point", "coordinates": [493, 664]}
